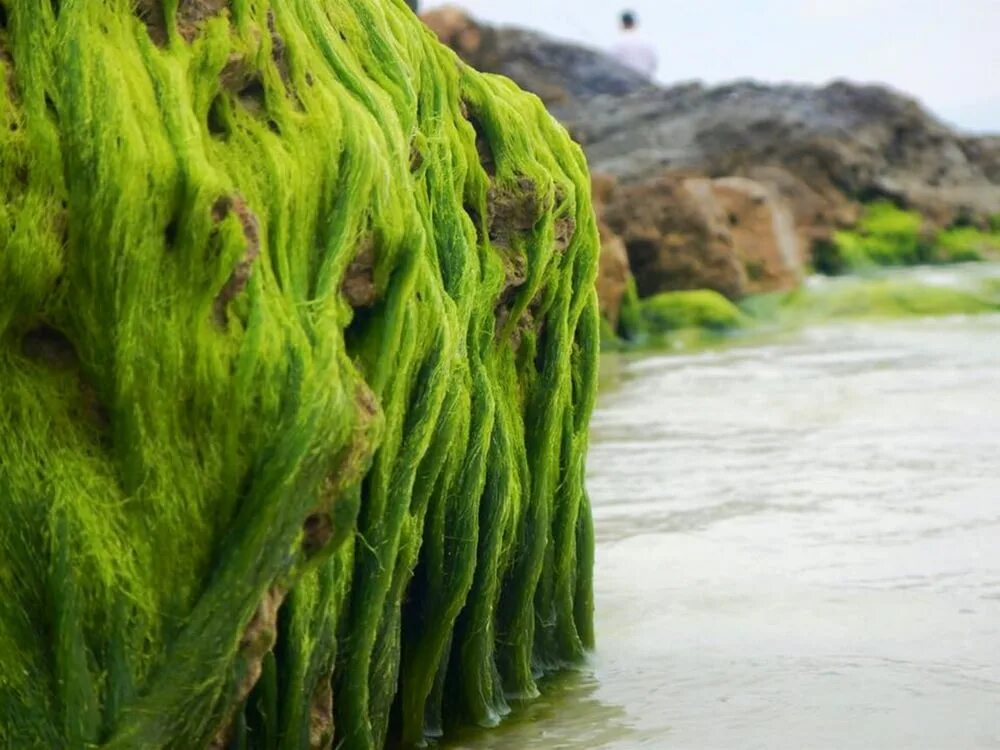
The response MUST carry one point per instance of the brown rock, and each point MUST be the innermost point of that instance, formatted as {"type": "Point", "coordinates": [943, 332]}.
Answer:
{"type": "Point", "coordinates": [817, 212]}
{"type": "Point", "coordinates": [764, 235]}
{"type": "Point", "coordinates": [612, 274]}
{"type": "Point", "coordinates": [475, 43]}
{"type": "Point", "coordinates": [676, 236]}
{"type": "Point", "coordinates": [613, 269]}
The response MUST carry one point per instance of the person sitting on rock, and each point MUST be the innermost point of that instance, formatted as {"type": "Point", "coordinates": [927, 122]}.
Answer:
{"type": "Point", "coordinates": [633, 50]}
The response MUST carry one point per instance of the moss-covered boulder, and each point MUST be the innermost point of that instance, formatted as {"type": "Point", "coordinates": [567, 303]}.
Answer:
{"type": "Point", "coordinates": [298, 338]}
{"type": "Point", "coordinates": [699, 308]}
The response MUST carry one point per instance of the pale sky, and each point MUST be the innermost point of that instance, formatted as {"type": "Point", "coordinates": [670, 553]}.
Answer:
{"type": "Point", "coordinates": [947, 54]}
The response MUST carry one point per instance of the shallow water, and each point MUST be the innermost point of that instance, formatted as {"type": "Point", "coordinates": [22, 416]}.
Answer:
{"type": "Point", "coordinates": [798, 547]}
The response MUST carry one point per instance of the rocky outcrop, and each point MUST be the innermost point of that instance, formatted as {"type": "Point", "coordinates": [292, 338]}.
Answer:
{"type": "Point", "coordinates": [732, 235]}
{"type": "Point", "coordinates": [559, 73]}
{"type": "Point", "coordinates": [762, 227]}
{"type": "Point", "coordinates": [825, 149]}
{"type": "Point", "coordinates": [298, 347]}
{"type": "Point", "coordinates": [858, 142]}
{"type": "Point", "coordinates": [676, 236]}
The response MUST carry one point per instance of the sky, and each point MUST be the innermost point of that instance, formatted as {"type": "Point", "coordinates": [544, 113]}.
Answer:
{"type": "Point", "coordinates": [946, 53]}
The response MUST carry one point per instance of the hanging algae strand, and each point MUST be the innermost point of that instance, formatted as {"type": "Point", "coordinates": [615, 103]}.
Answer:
{"type": "Point", "coordinates": [298, 345]}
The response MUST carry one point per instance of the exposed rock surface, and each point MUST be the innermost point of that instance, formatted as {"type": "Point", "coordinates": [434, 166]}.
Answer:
{"type": "Point", "coordinates": [762, 227]}
{"type": "Point", "coordinates": [733, 235]}
{"type": "Point", "coordinates": [985, 151]}
{"type": "Point", "coordinates": [862, 142]}
{"type": "Point", "coordinates": [558, 72]}
{"type": "Point", "coordinates": [676, 236]}
{"type": "Point", "coordinates": [612, 275]}
{"type": "Point", "coordinates": [844, 143]}
{"type": "Point", "coordinates": [613, 270]}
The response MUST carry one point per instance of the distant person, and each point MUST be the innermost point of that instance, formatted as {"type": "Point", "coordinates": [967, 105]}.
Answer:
{"type": "Point", "coordinates": [633, 50]}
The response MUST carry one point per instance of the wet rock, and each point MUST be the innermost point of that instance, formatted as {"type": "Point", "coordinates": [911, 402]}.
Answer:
{"type": "Point", "coordinates": [555, 71]}
{"type": "Point", "coordinates": [612, 275]}
{"type": "Point", "coordinates": [762, 227]}
{"type": "Point", "coordinates": [676, 236]}
{"type": "Point", "coordinates": [358, 285]}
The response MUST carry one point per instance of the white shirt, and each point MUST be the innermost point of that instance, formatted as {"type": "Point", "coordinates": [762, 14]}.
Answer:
{"type": "Point", "coordinates": [634, 51]}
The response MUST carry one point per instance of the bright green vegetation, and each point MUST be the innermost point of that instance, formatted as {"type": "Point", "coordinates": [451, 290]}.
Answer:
{"type": "Point", "coordinates": [870, 298]}
{"type": "Point", "coordinates": [683, 319]}
{"type": "Point", "coordinates": [885, 236]}
{"type": "Point", "coordinates": [298, 346]}
{"type": "Point", "coordinates": [700, 308]}
{"type": "Point", "coordinates": [968, 243]}
{"type": "Point", "coordinates": [696, 319]}
{"type": "Point", "coordinates": [889, 236]}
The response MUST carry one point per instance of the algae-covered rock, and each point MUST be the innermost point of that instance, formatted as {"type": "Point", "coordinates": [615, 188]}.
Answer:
{"type": "Point", "coordinates": [298, 341]}
{"type": "Point", "coordinates": [887, 235]}
{"type": "Point", "coordinates": [699, 308]}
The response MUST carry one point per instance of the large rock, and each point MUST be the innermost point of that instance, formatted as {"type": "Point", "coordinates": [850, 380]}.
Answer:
{"type": "Point", "coordinates": [559, 73]}
{"type": "Point", "coordinates": [733, 235]}
{"type": "Point", "coordinates": [862, 142]}
{"type": "Point", "coordinates": [294, 382]}
{"type": "Point", "coordinates": [676, 236]}
{"type": "Point", "coordinates": [816, 212]}
{"type": "Point", "coordinates": [762, 226]}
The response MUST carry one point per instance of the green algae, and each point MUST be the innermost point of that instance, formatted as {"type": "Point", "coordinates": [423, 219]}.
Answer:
{"type": "Point", "coordinates": [697, 320]}
{"type": "Point", "coordinates": [884, 236]}
{"type": "Point", "coordinates": [298, 347]}
{"type": "Point", "coordinates": [861, 298]}
{"type": "Point", "coordinates": [680, 320]}
{"type": "Point", "coordinates": [887, 235]}
{"type": "Point", "coordinates": [962, 244]}
{"type": "Point", "coordinates": [699, 308]}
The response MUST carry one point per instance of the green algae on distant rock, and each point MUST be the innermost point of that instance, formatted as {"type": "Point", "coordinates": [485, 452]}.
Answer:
{"type": "Point", "coordinates": [298, 345]}
{"type": "Point", "coordinates": [673, 319]}
{"type": "Point", "coordinates": [872, 298]}
{"type": "Point", "coordinates": [960, 244]}
{"type": "Point", "coordinates": [887, 235]}
{"type": "Point", "coordinates": [699, 308]}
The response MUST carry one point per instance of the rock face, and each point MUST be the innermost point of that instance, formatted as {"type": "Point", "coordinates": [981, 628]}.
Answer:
{"type": "Point", "coordinates": [294, 380]}
{"type": "Point", "coordinates": [762, 227]}
{"type": "Point", "coordinates": [613, 269]}
{"type": "Point", "coordinates": [732, 235]}
{"type": "Point", "coordinates": [985, 151]}
{"type": "Point", "coordinates": [676, 236]}
{"type": "Point", "coordinates": [825, 150]}
{"type": "Point", "coordinates": [612, 275]}
{"type": "Point", "coordinates": [861, 142]}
